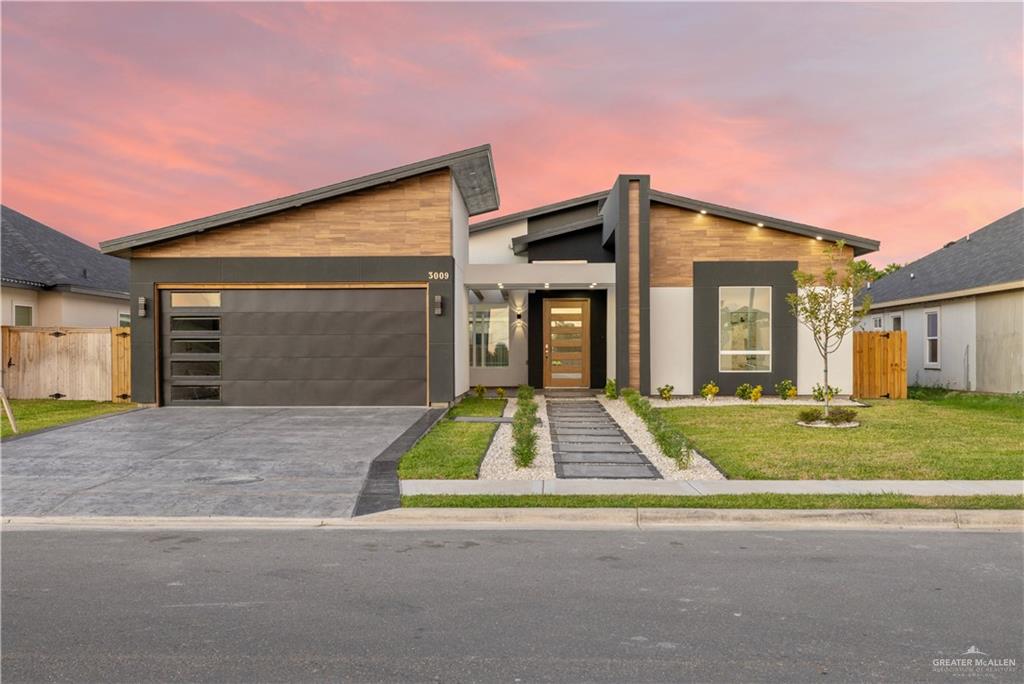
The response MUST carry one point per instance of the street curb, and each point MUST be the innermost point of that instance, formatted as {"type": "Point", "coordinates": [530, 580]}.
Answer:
{"type": "Point", "coordinates": [568, 519]}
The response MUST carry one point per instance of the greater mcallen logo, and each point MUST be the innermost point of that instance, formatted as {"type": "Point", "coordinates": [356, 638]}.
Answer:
{"type": "Point", "coordinates": [974, 661]}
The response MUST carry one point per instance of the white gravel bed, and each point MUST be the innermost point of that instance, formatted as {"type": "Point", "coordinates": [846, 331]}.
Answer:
{"type": "Point", "coordinates": [498, 463]}
{"type": "Point", "coordinates": [658, 402]}
{"type": "Point", "coordinates": [699, 469]}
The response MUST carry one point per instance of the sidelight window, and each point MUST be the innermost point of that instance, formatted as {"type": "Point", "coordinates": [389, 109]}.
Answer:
{"type": "Point", "coordinates": [745, 329]}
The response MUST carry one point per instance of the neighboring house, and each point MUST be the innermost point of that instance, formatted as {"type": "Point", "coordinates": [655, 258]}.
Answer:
{"type": "Point", "coordinates": [378, 291]}
{"type": "Point", "coordinates": [963, 309]}
{"type": "Point", "coordinates": [50, 279]}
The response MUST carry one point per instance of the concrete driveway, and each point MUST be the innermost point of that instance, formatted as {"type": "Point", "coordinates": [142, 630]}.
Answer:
{"type": "Point", "coordinates": [252, 462]}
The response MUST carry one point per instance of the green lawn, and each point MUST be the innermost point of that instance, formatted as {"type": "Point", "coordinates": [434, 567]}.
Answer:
{"type": "Point", "coordinates": [780, 501]}
{"type": "Point", "coordinates": [36, 414]}
{"type": "Point", "coordinates": [940, 436]}
{"type": "Point", "coordinates": [453, 450]}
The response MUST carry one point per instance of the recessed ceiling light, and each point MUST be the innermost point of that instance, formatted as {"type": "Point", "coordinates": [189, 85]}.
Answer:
{"type": "Point", "coordinates": [760, 225]}
{"type": "Point", "coordinates": [703, 211]}
{"type": "Point", "coordinates": [819, 238]}
{"type": "Point", "coordinates": [593, 284]}
{"type": "Point", "coordinates": [500, 286]}
{"type": "Point", "coordinates": [547, 286]}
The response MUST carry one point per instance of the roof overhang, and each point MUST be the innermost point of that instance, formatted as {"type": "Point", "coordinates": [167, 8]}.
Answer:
{"type": "Point", "coordinates": [538, 211]}
{"type": "Point", "coordinates": [472, 170]}
{"type": "Point", "coordinates": [521, 243]}
{"type": "Point", "coordinates": [859, 244]}
{"type": "Point", "coordinates": [939, 296]}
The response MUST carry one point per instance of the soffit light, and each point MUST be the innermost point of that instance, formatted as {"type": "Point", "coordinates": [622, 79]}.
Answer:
{"type": "Point", "coordinates": [760, 225]}
{"type": "Point", "coordinates": [703, 211]}
{"type": "Point", "coordinates": [818, 237]}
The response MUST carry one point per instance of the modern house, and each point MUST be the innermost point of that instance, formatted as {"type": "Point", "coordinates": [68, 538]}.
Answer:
{"type": "Point", "coordinates": [378, 290]}
{"type": "Point", "coordinates": [51, 279]}
{"type": "Point", "coordinates": [963, 309]}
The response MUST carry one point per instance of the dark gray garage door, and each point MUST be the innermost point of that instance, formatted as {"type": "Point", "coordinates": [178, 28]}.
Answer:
{"type": "Point", "coordinates": [297, 347]}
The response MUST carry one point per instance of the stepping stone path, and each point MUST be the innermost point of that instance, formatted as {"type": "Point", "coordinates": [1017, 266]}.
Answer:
{"type": "Point", "coordinates": [587, 443]}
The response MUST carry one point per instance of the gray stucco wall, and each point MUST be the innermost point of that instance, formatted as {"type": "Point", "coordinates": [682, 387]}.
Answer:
{"type": "Point", "coordinates": [146, 274]}
{"type": "Point", "coordinates": [708, 276]}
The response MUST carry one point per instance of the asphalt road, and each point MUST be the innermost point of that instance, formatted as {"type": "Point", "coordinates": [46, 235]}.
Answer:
{"type": "Point", "coordinates": [344, 605]}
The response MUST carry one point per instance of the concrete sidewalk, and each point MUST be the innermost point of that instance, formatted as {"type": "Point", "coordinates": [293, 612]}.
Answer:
{"type": "Point", "coordinates": [710, 487]}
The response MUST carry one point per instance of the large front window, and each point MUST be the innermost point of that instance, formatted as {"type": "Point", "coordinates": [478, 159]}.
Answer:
{"type": "Point", "coordinates": [488, 335]}
{"type": "Point", "coordinates": [745, 329]}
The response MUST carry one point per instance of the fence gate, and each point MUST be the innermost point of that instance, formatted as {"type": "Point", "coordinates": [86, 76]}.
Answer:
{"type": "Point", "coordinates": [67, 363]}
{"type": "Point", "coordinates": [880, 365]}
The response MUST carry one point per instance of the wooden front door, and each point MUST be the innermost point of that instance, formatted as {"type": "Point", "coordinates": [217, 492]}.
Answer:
{"type": "Point", "coordinates": [567, 343]}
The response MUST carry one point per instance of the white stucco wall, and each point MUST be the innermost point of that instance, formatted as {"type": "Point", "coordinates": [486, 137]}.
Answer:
{"type": "Point", "coordinates": [494, 246]}
{"type": "Point", "coordinates": [810, 369]}
{"type": "Point", "coordinates": [672, 338]}
{"type": "Point", "coordinates": [517, 371]}
{"type": "Point", "coordinates": [62, 308]}
{"type": "Point", "coordinates": [460, 310]}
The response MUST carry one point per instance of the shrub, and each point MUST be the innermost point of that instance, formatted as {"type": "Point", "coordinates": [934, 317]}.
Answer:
{"type": "Point", "coordinates": [500, 392]}
{"type": "Point", "coordinates": [669, 438]}
{"type": "Point", "coordinates": [755, 394]}
{"type": "Point", "coordinates": [841, 414]}
{"type": "Point", "coordinates": [480, 391]}
{"type": "Point", "coordinates": [820, 392]}
{"type": "Point", "coordinates": [611, 389]}
{"type": "Point", "coordinates": [524, 439]}
{"type": "Point", "coordinates": [665, 392]}
{"type": "Point", "coordinates": [785, 389]}
{"type": "Point", "coordinates": [744, 391]}
{"type": "Point", "coordinates": [810, 415]}
{"type": "Point", "coordinates": [709, 390]}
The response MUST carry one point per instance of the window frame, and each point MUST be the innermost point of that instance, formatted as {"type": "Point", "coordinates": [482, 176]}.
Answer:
{"type": "Point", "coordinates": [120, 319]}
{"type": "Point", "coordinates": [937, 363]}
{"type": "Point", "coordinates": [746, 352]}
{"type": "Point", "coordinates": [878, 322]}
{"type": "Point", "coordinates": [478, 363]}
{"type": "Point", "coordinates": [893, 317]}
{"type": "Point", "coordinates": [14, 314]}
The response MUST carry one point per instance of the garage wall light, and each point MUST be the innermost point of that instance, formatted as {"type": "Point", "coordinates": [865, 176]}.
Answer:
{"type": "Point", "coordinates": [438, 305]}
{"type": "Point", "coordinates": [142, 307]}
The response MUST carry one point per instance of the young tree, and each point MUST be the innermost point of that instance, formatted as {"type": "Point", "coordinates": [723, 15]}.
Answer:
{"type": "Point", "coordinates": [827, 305]}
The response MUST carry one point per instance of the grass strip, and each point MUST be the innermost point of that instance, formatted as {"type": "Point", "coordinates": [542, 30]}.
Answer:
{"type": "Point", "coordinates": [478, 406]}
{"type": "Point", "coordinates": [37, 414]}
{"type": "Point", "coordinates": [763, 501]}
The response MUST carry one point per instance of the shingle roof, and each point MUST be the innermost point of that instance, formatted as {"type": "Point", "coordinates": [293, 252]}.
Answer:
{"type": "Point", "coordinates": [38, 256]}
{"type": "Point", "coordinates": [472, 169]}
{"type": "Point", "coordinates": [988, 256]}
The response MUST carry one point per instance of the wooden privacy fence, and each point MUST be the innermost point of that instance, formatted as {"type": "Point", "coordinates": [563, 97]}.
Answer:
{"type": "Point", "coordinates": [880, 365]}
{"type": "Point", "coordinates": [67, 363]}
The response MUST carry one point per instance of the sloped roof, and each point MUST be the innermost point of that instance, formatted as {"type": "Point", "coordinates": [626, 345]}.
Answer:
{"type": "Point", "coordinates": [472, 169]}
{"type": "Point", "coordinates": [35, 255]}
{"type": "Point", "coordinates": [860, 245]}
{"type": "Point", "coordinates": [538, 211]}
{"type": "Point", "coordinates": [989, 256]}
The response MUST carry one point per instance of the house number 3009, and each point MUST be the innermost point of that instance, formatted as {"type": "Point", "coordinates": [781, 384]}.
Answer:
{"type": "Point", "coordinates": [437, 275]}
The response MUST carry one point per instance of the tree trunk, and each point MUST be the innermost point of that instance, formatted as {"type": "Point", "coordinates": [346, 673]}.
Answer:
{"type": "Point", "coordinates": [828, 391]}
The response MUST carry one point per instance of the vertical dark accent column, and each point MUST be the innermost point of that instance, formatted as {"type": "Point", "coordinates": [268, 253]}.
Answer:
{"type": "Point", "coordinates": [645, 284]}
{"type": "Point", "coordinates": [618, 216]}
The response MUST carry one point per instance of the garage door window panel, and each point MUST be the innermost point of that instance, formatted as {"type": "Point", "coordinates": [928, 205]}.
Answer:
{"type": "Point", "coordinates": [195, 346]}
{"type": "Point", "coordinates": [195, 393]}
{"type": "Point", "coordinates": [195, 324]}
{"type": "Point", "coordinates": [209, 369]}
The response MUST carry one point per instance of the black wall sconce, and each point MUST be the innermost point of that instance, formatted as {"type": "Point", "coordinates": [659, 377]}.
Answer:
{"type": "Point", "coordinates": [438, 305]}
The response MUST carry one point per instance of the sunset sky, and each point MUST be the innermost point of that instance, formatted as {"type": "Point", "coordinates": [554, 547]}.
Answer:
{"type": "Point", "coordinates": [897, 122]}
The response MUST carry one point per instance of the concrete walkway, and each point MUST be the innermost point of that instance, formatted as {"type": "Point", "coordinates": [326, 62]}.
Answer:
{"type": "Point", "coordinates": [587, 443]}
{"type": "Point", "coordinates": [710, 487]}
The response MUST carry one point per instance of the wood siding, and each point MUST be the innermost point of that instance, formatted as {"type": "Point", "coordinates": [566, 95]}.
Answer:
{"type": "Point", "coordinates": [411, 217]}
{"type": "Point", "coordinates": [679, 237]}
{"type": "Point", "coordinates": [634, 284]}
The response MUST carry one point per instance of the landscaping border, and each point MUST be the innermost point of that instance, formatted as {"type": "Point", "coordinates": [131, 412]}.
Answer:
{"type": "Point", "coordinates": [381, 490]}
